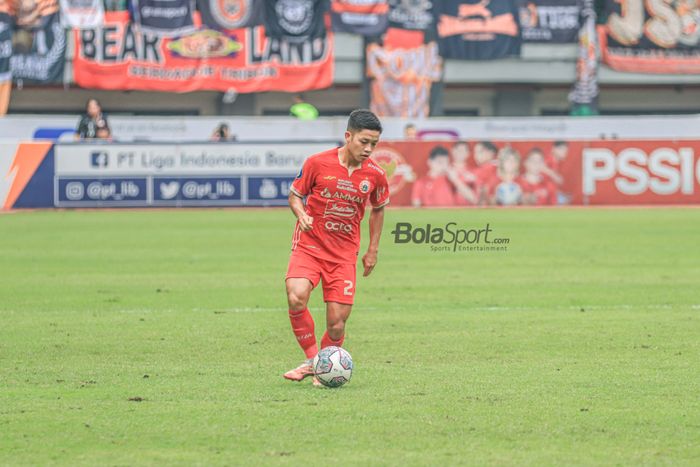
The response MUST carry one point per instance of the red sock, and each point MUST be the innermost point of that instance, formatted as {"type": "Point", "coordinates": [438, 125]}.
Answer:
{"type": "Point", "coordinates": [326, 341]}
{"type": "Point", "coordinates": [303, 327]}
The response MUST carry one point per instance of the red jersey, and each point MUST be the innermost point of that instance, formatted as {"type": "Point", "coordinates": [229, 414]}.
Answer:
{"type": "Point", "coordinates": [469, 179]}
{"type": "Point", "coordinates": [433, 191]}
{"type": "Point", "coordinates": [545, 192]}
{"type": "Point", "coordinates": [336, 200]}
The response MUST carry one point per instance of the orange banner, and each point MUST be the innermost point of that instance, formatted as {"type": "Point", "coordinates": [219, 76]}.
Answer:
{"type": "Point", "coordinates": [118, 56]}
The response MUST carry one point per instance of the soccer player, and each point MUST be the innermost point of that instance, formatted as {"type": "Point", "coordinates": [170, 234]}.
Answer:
{"type": "Point", "coordinates": [338, 184]}
{"type": "Point", "coordinates": [434, 188]}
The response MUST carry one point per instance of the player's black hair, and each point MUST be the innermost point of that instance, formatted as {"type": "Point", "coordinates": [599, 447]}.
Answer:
{"type": "Point", "coordinates": [560, 143]}
{"type": "Point", "coordinates": [534, 150]}
{"type": "Point", "coordinates": [438, 151]}
{"type": "Point", "coordinates": [489, 145]}
{"type": "Point", "coordinates": [363, 119]}
{"type": "Point", "coordinates": [460, 142]}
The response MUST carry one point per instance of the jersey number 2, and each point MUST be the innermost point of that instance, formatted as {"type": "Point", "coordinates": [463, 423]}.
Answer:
{"type": "Point", "coordinates": [346, 290]}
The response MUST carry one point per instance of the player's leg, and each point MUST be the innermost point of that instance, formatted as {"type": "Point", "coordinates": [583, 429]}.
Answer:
{"type": "Point", "coordinates": [302, 276]}
{"type": "Point", "coordinates": [337, 315]}
{"type": "Point", "coordinates": [339, 295]}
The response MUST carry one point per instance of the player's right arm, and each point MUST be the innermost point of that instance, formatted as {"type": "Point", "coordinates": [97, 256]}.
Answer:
{"type": "Point", "coordinates": [301, 186]}
{"type": "Point", "coordinates": [296, 203]}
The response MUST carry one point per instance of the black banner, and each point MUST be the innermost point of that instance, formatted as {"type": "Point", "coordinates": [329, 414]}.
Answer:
{"type": "Point", "coordinates": [39, 53]}
{"type": "Point", "coordinates": [652, 36]}
{"type": "Point", "coordinates": [411, 14]}
{"type": "Point", "coordinates": [230, 14]}
{"type": "Point", "coordinates": [5, 47]}
{"type": "Point", "coordinates": [295, 20]}
{"type": "Point", "coordinates": [364, 17]}
{"type": "Point", "coordinates": [477, 29]}
{"type": "Point", "coordinates": [550, 20]}
{"type": "Point", "coordinates": [167, 18]}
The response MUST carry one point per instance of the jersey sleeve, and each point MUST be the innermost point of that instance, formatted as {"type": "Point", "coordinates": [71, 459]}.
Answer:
{"type": "Point", "coordinates": [302, 184]}
{"type": "Point", "coordinates": [380, 195]}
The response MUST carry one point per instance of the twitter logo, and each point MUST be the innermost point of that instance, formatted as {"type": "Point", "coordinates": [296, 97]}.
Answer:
{"type": "Point", "coordinates": [169, 190]}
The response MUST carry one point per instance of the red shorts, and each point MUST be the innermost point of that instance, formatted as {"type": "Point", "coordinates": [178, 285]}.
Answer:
{"type": "Point", "coordinates": [338, 278]}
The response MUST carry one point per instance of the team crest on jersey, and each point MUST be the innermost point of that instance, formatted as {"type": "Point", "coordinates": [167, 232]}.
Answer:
{"type": "Point", "coordinates": [364, 186]}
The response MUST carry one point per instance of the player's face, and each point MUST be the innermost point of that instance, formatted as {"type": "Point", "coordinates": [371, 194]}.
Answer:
{"type": "Point", "coordinates": [439, 165]}
{"type": "Point", "coordinates": [560, 152]}
{"type": "Point", "coordinates": [482, 154]}
{"type": "Point", "coordinates": [534, 163]}
{"type": "Point", "coordinates": [460, 153]}
{"type": "Point", "coordinates": [360, 144]}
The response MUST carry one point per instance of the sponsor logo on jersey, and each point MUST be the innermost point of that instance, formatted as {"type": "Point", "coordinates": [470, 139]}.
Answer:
{"type": "Point", "coordinates": [329, 177]}
{"type": "Point", "coordinates": [346, 185]}
{"type": "Point", "coordinates": [364, 186]}
{"type": "Point", "coordinates": [375, 167]}
{"type": "Point", "coordinates": [339, 209]}
{"type": "Point", "coordinates": [338, 227]}
{"type": "Point", "coordinates": [326, 193]}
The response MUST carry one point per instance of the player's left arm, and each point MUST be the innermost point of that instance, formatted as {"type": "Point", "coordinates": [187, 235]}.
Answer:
{"type": "Point", "coordinates": [376, 223]}
{"type": "Point", "coordinates": [378, 198]}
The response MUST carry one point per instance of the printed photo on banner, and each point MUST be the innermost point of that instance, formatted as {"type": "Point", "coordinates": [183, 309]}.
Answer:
{"type": "Point", "coordinates": [653, 36]}
{"type": "Point", "coordinates": [478, 173]}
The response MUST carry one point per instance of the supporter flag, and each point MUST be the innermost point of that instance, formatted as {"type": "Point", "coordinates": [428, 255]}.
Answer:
{"type": "Point", "coordinates": [652, 36]}
{"type": "Point", "coordinates": [230, 14]}
{"type": "Point", "coordinates": [295, 20]}
{"type": "Point", "coordinates": [402, 70]}
{"type": "Point", "coordinates": [166, 18]}
{"type": "Point", "coordinates": [477, 29]}
{"type": "Point", "coordinates": [82, 13]}
{"type": "Point", "coordinates": [39, 44]}
{"type": "Point", "coordinates": [584, 96]}
{"type": "Point", "coordinates": [5, 45]}
{"type": "Point", "coordinates": [555, 21]}
{"type": "Point", "coordinates": [365, 17]}
{"type": "Point", "coordinates": [411, 14]}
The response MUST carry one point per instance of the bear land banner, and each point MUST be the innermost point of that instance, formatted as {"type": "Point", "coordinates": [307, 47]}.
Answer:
{"type": "Point", "coordinates": [477, 30]}
{"type": "Point", "coordinates": [652, 36]}
{"type": "Point", "coordinates": [118, 56]}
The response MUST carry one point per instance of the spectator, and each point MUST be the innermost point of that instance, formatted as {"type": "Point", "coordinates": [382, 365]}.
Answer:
{"type": "Point", "coordinates": [434, 188]}
{"type": "Point", "coordinates": [222, 133]}
{"type": "Point", "coordinates": [92, 120]}
{"type": "Point", "coordinates": [537, 188]}
{"type": "Point", "coordinates": [302, 109]}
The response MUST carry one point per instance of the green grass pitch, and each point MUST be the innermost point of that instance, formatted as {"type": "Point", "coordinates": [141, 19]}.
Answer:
{"type": "Point", "coordinates": [160, 337]}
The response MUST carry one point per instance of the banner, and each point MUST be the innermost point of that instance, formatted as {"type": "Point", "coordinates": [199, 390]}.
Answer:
{"type": "Point", "coordinates": [402, 70]}
{"type": "Point", "coordinates": [230, 14]}
{"type": "Point", "coordinates": [81, 13]}
{"type": "Point", "coordinates": [167, 18]}
{"type": "Point", "coordinates": [652, 36]}
{"type": "Point", "coordinates": [541, 173]}
{"type": "Point", "coordinates": [411, 14]}
{"type": "Point", "coordinates": [295, 20]}
{"type": "Point", "coordinates": [364, 17]}
{"type": "Point", "coordinates": [477, 29]}
{"type": "Point", "coordinates": [118, 56]}
{"type": "Point", "coordinates": [39, 49]}
{"type": "Point", "coordinates": [5, 46]}
{"type": "Point", "coordinates": [584, 95]}
{"type": "Point", "coordinates": [553, 21]}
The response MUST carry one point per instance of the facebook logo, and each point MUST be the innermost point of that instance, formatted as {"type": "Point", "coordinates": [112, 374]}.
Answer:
{"type": "Point", "coordinates": [99, 159]}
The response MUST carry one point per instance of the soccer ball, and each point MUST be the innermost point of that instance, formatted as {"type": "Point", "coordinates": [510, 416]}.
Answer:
{"type": "Point", "coordinates": [333, 366]}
